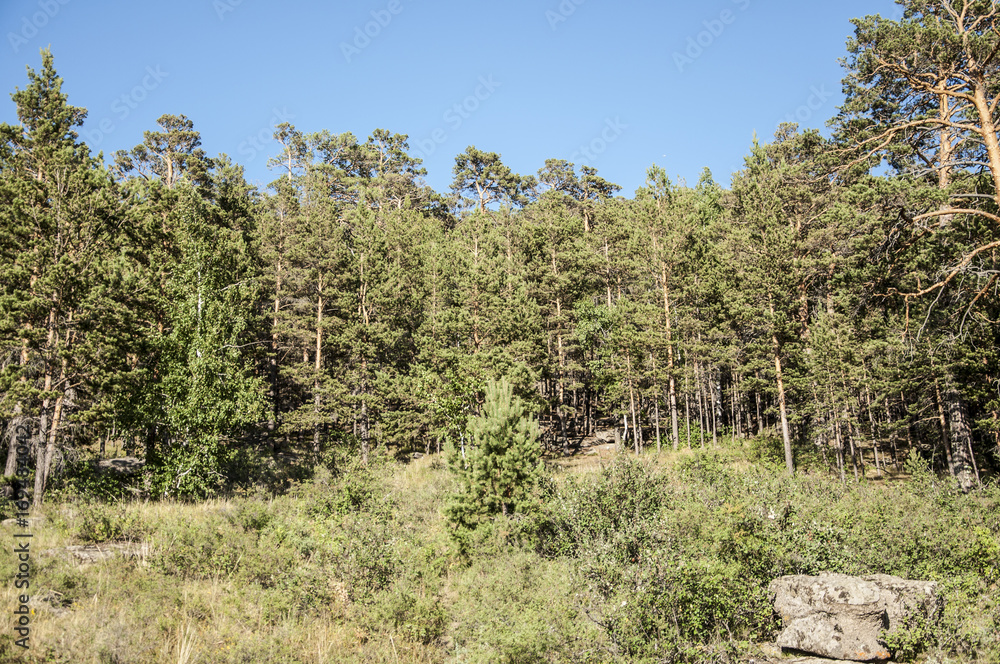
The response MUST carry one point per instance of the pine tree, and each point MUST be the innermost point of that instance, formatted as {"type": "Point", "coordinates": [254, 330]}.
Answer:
{"type": "Point", "coordinates": [501, 469]}
{"type": "Point", "coordinates": [60, 242]}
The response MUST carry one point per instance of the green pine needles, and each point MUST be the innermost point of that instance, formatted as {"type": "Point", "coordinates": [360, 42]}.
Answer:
{"type": "Point", "coordinates": [501, 467]}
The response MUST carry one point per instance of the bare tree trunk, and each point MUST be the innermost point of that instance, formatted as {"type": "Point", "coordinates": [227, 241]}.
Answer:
{"type": "Point", "coordinates": [273, 373]}
{"type": "Point", "coordinates": [656, 410]}
{"type": "Point", "coordinates": [631, 398]}
{"type": "Point", "coordinates": [363, 431]}
{"type": "Point", "coordinates": [318, 366]}
{"type": "Point", "coordinates": [854, 440]}
{"type": "Point", "coordinates": [875, 433]}
{"type": "Point", "coordinates": [560, 387]}
{"type": "Point", "coordinates": [943, 424]}
{"type": "Point", "coordinates": [50, 451]}
{"type": "Point", "coordinates": [733, 421]}
{"type": "Point", "coordinates": [785, 431]}
{"type": "Point", "coordinates": [701, 404]}
{"type": "Point", "coordinates": [672, 385]}
{"type": "Point", "coordinates": [962, 459]}
{"type": "Point", "coordinates": [15, 423]}
{"type": "Point", "coordinates": [760, 418]}
{"type": "Point", "coordinates": [607, 262]}
{"type": "Point", "coordinates": [841, 461]}
{"type": "Point", "coordinates": [687, 402]}
{"type": "Point", "coordinates": [713, 403]}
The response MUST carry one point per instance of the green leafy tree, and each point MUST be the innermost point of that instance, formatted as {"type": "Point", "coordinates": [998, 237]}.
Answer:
{"type": "Point", "coordinates": [196, 392]}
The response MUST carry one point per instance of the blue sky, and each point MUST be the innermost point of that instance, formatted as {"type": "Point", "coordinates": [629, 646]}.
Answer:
{"type": "Point", "coordinates": [616, 85]}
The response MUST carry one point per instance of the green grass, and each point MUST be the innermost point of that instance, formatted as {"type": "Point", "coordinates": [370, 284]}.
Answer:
{"type": "Point", "coordinates": [626, 560]}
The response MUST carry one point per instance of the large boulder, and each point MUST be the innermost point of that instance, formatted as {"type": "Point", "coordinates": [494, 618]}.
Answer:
{"type": "Point", "coordinates": [844, 617]}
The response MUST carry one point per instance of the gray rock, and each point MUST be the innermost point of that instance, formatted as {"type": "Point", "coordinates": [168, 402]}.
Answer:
{"type": "Point", "coordinates": [124, 465]}
{"type": "Point", "coordinates": [843, 617]}
{"type": "Point", "coordinates": [94, 553]}
{"type": "Point", "coordinates": [30, 522]}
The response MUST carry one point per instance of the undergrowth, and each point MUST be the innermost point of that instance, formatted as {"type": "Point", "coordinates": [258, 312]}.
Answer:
{"type": "Point", "coordinates": [635, 560]}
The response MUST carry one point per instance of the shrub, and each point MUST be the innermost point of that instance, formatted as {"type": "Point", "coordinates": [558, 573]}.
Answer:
{"type": "Point", "coordinates": [85, 479]}
{"type": "Point", "coordinates": [103, 522]}
{"type": "Point", "coordinates": [614, 512]}
{"type": "Point", "coordinates": [411, 613]}
{"type": "Point", "coordinates": [353, 488]}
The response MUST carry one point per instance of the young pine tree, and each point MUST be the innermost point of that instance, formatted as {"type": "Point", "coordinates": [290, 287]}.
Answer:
{"type": "Point", "coordinates": [502, 466]}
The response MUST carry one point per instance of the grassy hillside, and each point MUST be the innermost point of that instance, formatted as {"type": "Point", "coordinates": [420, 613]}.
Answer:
{"type": "Point", "coordinates": [624, 560]}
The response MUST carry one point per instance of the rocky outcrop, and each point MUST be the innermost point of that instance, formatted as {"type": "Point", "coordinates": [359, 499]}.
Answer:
{"type": "Point", "coordinates": [844, 617]}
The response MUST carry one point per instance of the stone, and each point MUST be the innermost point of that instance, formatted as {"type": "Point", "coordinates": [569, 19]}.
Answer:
{"type": "Point", "coordinates": [24, 522]}
{"type": "Point", "coordinates": [844, 617]}
{"type": "Point", "coordinates": [124, 465]}
{"type": "Point", "coordinates": [94, 553]}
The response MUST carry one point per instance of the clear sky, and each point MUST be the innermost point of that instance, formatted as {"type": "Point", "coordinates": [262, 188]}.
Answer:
{"type": "Point", "coordinates": [616, 85]}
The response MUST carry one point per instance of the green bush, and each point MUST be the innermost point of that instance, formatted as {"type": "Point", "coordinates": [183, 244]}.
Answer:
{"type": "Point", "coordinates": [615, 512]}
{"type": "Point", "coordinates": [767, 448]}
{"type": "Point", "coordinates": [84, 479]}
{"type": "Point", "coordinates": [109, 522]}
{"type": "Point", "coordinates": [353, 488]}
{"type": "Point", "coordinates": [411, 613]}
{"type": "Point", "coordinates": [190, 469]}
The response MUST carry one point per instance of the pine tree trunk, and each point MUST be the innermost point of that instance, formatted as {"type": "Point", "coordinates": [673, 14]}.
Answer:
{"type": "Point", "coordinates": [841, 461]}
{"type": "Point", "coordinates": [785, 432]}
{"type": "Point", "coordinates": [962, 459]}
{"type": "Point", "coordinates": [760, 419]}
{"type": "Point", "coordinates": [50, 449]}
{"type": "Point", "coordinates": [363, 430]}
{"type": "Point", "coordinates": [607, 262]}
{"type": "Point", "coordinates": [714, 408]}
{"type": "Point", "coordinates": [656, 406]}
{"type": "Point", "coordinates": [701, 404]}
{"type": "Point", "coordinates": [687, 417]}
{"type": "Point", "coordinates": [672, 383]}
{"type": "Point", "coordinates": [318, 367]}
{"type": "Point", "coordinates": [631, 399]}
{"type": "Point", "coordinates": [874, 432]}
{"type": "Point", "coordinates": [273, 372]}
{"type": "Point", "coordinates": [733, 421]}
{"type": "Point", "coordinates": [560, 385]}
{"type": "Point", "coordinates": [687, 402]}
{"type": "Point", "coordinates": [11, 464]}
{"type": "Point", "coordinates": [850, 439]}
{"type": "Point", "coordinates": [943, 427]}
{"type": "Point", "coordinates": [892, 436]}
{"type": "Point", "coordinates": [16, 422]}
{"type": "Point", "coordinates": [41, 445]}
